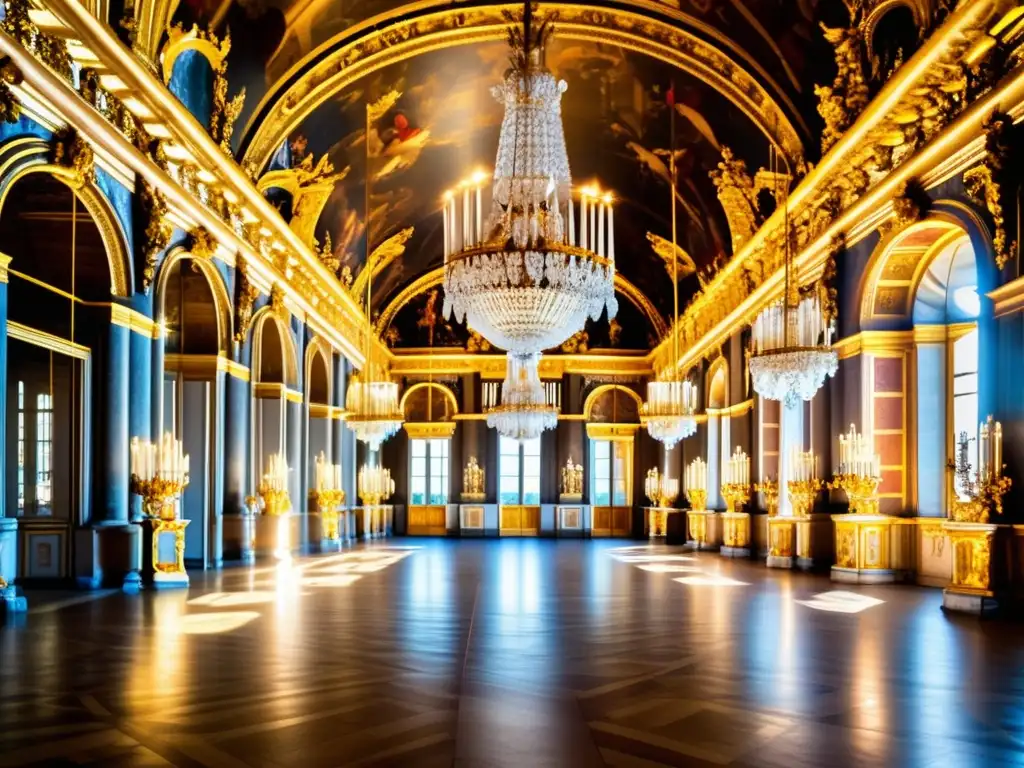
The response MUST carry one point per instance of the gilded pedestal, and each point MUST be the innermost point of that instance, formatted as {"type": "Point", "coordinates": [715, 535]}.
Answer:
{"type": "Point", "coordinates": [862, 549]}
{"type": "Point", "coordinates": [781, 541]}
{"type": "Point", "coordinates": [735, 534]}
{"type": "Point", "coordinates": [163, 553]}
{"type": "Point", "coordinates": [699, 524]}
{"type": "Point", "coordinates": [659, 522]}
{"type": "Point", "coordinates": [970, 588]}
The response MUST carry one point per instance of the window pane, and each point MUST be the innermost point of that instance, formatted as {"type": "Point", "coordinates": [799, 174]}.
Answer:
{"type": "Point", "coordinates": [965, 353]}
{"type": "Point", "coordinates": [419, 447]}
{"type": "Point", "coordinates": [620, 496]}
{"type": "Point", "coordinates": [601, 496]}
{"type": "Point", "coordinates": [419, 467]}
{"type": "Point", "coordinates": [965, 384]}
{"type": "Point", "coordinates": [508, 447]}
{"type": "Point", "coordinates": [531, 490]}
{"type": "Point", "coordinates": [508, 466]}
{"type": "Point", "coordinates": [508, 490]}
{"type": "Point", "coordinates": [531, 466]}
{"type": "Point", "coordinates": [601, 449]}
{"type": "Point", "coordinates": [531, 447]}
{"type": "Point", "coordinates": [439, 448]}
{"type": "Point", "coordinates": [418, 490]}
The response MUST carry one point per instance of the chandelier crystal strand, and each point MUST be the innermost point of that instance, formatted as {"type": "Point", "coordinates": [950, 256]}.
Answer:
{"type": "Point", "coordinates": [791, 339]}
{"type": "Point", "coordinates": [372, 397]}
{"type": "Point", "coordinates": [524, 411]}
{"type": "Point", "coordinates": [672, 402]}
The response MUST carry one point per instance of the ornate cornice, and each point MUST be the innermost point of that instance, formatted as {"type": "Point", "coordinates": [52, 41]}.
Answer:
{"type": "Point", "coordinates": [406, 32]}
{"type": "Point", "coordinates": [920, 121]}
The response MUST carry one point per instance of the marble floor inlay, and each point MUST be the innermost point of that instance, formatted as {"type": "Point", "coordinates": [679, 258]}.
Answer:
{"type": "Point", "coordinates": [521, 653]}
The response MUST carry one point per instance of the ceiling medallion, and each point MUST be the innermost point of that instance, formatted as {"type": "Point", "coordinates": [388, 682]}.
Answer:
{"type": "Point", "coordinates": [671, 400]}
{"type": "Point", "coordinates": [791, 344]}
{"type": "Point", "coordinates": [518, 276]}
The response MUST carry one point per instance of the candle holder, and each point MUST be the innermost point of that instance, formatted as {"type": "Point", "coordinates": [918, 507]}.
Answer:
{"type": "Point", "coordinates": [660, 489]}
{"type": "Point", "coordinates": [861, 490]}
{"type": "Point", "coordinates": [984, 489]}
{"type": "Point", "coordinates": [159, 473]}
{"type": "Point", "coordinates": [375, 485]}
{"type": "Point", "coordinates": [274, 501]}
{"type": "Point", "coordinates": [158, 495]}
{"type": "Point", "coordinates": [698, 498]}
{"type": "Point", "coordinates": [473, 481]}
{"type": "Point", "coordinates": [327, 502]}
{"type": "Point", "coordinates": [802, 494]}
{"type": "Point", "coordinates": [770, 490]}
{"type": "Point", "coordinates": [736, 496]}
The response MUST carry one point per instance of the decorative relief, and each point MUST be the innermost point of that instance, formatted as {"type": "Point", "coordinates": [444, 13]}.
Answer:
{"type": "Point", "coordinates": [738, 198]}
{"type": "Point", "coordinates": [839, 104]}
{"type": "Point", "coordinates": [73, 153]}
{"type": "Point", "coordinates": [225, 111]}
{"type": "Point", "coordinates": [201, 244]}
{"type": "Point", "coordinates": [310, 187]}
{"type": "Point", "coordinates": [157, 233]}
{"type": "Point", "coordinates": [972, 558]}
{"type": "Point", "coordinates": [277, 305]}
{"type": "Point", "coordinates": [10, 107]}
{"type": "Point", "coordinates": [910, 204]}
{"type": "Point", "coordinates": [245, 297]}
{"type": "Point", "coordinates": [985, 183]}
{"type": "Point", "coordinates": [51, 51]}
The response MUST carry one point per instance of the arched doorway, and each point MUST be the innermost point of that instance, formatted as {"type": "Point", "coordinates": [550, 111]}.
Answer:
{"type": "Point", "coordinates": [717, 389]}
{"type": "Point", "coordinates": [424, 468]}
{"type": "Point", "coordinates": [321, 421]}
{"type": "Point", "coordinates": [193, 311]}
{"type": "Point", "coordinates": [58, 324]}
{"type": "Point", "coordinates": [923, 378]}
{"type": "Point", "coordinates": [612, 412]}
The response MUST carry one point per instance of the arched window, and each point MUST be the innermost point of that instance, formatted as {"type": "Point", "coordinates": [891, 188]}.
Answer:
{"type": "Point", "coordinates": [965, 393]}
{"type": "Point", "coordinates": [518, 471]}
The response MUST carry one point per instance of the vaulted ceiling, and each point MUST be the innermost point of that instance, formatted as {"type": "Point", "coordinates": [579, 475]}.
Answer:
{"type": "Point", "coordinates": [744, 73]}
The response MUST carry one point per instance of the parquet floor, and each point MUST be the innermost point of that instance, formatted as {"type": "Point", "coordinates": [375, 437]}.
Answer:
{"type": "Point", "coordinates": [510, 653]}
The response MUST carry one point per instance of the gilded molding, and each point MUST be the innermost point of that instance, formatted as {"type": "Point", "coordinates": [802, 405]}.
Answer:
{"type": "Point", "coordinates": [134, 321]}
{"type": "Point", "coordinates": [47, 341]}
{"type": "Point", "coordinates": [73, 154]}
{"type": "Point", "coordinates": [492, 366]}
{"type": "Point", "coordinates": [737, 196]}
{"type": "Point", "coordinates": [5, 263]}
{"type": "Point", "coordinates": [245, 297]}
{"type": "Point", "coordinates": [985, 183]}
{"type": "Point", "coordinates": [310, 187]}
{"type": "Point", "coordinates": [429, 429]}
{"type": "Point", "coordinates": [10, 107]}
{"type": "Point", "coordinates": [624, 432]}
{"type": "Point", "coordinates": [393, 37]}
{"type": "Point", "coordinates": [201, 244]}
{"type": "Point", "coordinates": [884, 343]}
{"type": "Point", "coordinates": [157, 233]}
{"type": "Point", "coordinates": [596, 392]}
{"type": "Point", "coordinates": [445, 392]}
{"type": "Point", "coordinates": [382, 255]}
{"type": "Point", "coordinates": [840, 103]}
{"type": "Point", "coordinates": [202, 41]}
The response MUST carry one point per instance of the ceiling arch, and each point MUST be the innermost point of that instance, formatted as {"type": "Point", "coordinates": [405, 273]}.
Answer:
{"type": "Point", "coordinates": [393, 37]}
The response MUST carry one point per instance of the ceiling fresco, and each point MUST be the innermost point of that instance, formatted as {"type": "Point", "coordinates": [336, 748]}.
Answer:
{"type": "Point", "coordinates": [445, 125]}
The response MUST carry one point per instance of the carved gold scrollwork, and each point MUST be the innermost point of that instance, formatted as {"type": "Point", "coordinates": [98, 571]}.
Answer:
{"type": "Point", "coordinates": [738, 198]}
{"type": "Point", "coordinates": [910, 204]}
{"type": "Point", "coordinates": [157, 233]}
{"type": "Point", "coordinates": [839, 104]}
{"type": "Point", "coordinates": [310, 186]}
{"type": "Point", "coordinates": [985, 183]}
{"type": "Point", "coordinates": [10, 107]}
{"type": "Point", "coordinates": [245, 297]}
{"type": "Point", "coordinates": [201, 244]}
{"type": "Point", "coordinates": [73, 154]}
{"type": "Point", "coordinates": [277, 305]}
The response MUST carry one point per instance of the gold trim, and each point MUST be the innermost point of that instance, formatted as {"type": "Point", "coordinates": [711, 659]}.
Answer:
{"type": "Point", "coordinates": [135, 321]}
{"type": "Point", "coordinates": [423, 430]}
{"type": "Point", "coordinates": [492, 367]}
{"type": "Point", "coordinates": [733, 410]}
{"type": "Point", "coordinates": [179, 41]}
{"type": "Point", "coordinates": [5, 263]}
{"type": "Point", "coordinates": [235, 370]}
{"type": "Point", "coordinates": [1008, 298]}
{"type": "Point", "coordinates": [448, 395]}
{"type": "Point", "coordinates": [623, 432]}
{"type": "Point", "coordinates": [321, 411]}
{"type": "Point", "coordinates": [47, 341]}
{"type": "Point", "coordinates": [596, 392]}
{"type": "Point", "coordinates": [272, 390]}
{"type": "Point", "coordinates": [878, 343]}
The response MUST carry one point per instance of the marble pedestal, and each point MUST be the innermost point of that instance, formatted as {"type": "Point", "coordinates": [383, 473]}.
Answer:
{"type": "Point", "coordinates": [862, 549]}
{"type": "Point", "coordinates": [163, 554]}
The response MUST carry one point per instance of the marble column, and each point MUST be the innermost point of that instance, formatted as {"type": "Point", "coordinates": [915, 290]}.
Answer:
{"type": "Point", "coordinates": [237, 411]}
{"type": "Point", "coordinates": [140, 404]}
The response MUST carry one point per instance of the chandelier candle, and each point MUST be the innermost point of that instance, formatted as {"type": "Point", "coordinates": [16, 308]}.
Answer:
{"type": "Point", "coordinates": [159, 472]}
{"type": "Point", "coordinates": [328, 496]}
{"type": "Point", "coordinates": [736, 483]}
{"type": "Point", "coordinates": [860, 472]}
{"type": "Point", "coordinates": [696, 481]}
{"type": "Point", "coordinates": [803, 484]}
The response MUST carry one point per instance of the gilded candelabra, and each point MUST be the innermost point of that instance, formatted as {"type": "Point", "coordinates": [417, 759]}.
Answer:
{"type": "Point", "coordinates": [159, 473]}
{"type": "Point", "coordinates": [802, 494]}
{"type": "Point", "coordinates": [273, 490]}
{"type": "Point", "coordinates": [698, 498]}
{"type": "Point", "coordinates": [861, 490]}
{"type": "Point", "coordinates": [770, 490]}
{"type": "Point", "coordinates": [572, 481]}
{"type": "Point", "coordinates": [473, 481]}
{"type": "Point", "coordinates": [660, 489]}
{"type": "Point", "coordinates": [736, 495]}
{"type": "Point", "coordinates": [327, 502]}
{"type": "Point", "coordinates": [375, 485]}
{"type": "Point", "coordinates": [982, 494]}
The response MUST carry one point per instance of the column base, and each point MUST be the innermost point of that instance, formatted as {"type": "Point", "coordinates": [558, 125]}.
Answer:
{"type": "Point", "coordinates": [331, 545]}
{"type": "Point", "coordinates": [779, 561]}
{"type": "Point", "coordinates": [108, 555]}
{"type": "Point", "coordinates": [11, 601]}
{"type": "Point", "coordinates": [734, 551]}
{"type": "Point", "coordinates": [976, 603]}
{"type": "Point", "coordinates": [806, 563]}
{"type": "Point", "coordinates": [168, 581]}
{"type": "Point", "coordinates": [863, 576]}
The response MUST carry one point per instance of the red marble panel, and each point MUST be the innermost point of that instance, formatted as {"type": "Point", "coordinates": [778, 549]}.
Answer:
{"type": "Point", "coordinates": [770, 439]}
{"type": "Point", "coordinates": [892, 481]}
{"type": "Point", "coordinates": [770, 411]}
{"type": "Point", "coordinates": [771, 467]}
{"type": "Point", "coordinates": [888, 413]}
{"type": "Point", "coordinates": [890, 448]}
{"type": "Point", "coordinates": [888, 374]}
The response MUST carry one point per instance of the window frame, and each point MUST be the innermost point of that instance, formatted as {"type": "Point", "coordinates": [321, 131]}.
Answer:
{"type": "Point", "coordinates": [431, 446]}
{"type": "Point", "coordinates": [613, 477]}
{"type": "Point", "coordinates": [524, 450]}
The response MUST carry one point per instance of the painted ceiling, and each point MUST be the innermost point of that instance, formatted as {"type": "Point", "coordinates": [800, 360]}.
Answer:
{"type": "Point", "coordinates": [445, 126]}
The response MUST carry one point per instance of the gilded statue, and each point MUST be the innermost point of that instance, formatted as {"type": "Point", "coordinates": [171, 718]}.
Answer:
{"type": "Point", "coordinates": [572, 480]}
{"type": "Point", "coordinates": [839, 104]}
{"type": "Point", "coordinates": [473, 481]}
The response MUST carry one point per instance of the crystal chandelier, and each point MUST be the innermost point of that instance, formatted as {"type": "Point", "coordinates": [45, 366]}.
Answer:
{"type": "Point", "coordinates": [671, 400]}
{"type": "Point", "coordinates": [792, 353]}
{"type": "Point", "coordinates": [518, 276]}
{"type": "Point", "coordinates": [371, 401]}
{"type": "Point", "coordinates": [524, 411]}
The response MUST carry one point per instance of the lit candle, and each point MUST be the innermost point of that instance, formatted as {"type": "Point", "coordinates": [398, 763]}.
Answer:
{"type": "Point", "coordinates": [583, 219]}
{"type": "Point", "coordinates": [611, 230]}
{"type": "Point", "coordinates": [479, 213]}
{"type": "Point", "coordinates": [572, 222]}
{"type": "Point", "coordinates": [600, 229]}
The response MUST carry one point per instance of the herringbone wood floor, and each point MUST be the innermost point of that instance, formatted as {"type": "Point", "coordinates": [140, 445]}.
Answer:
{"type": "Point", "coordinates": [509, 653]}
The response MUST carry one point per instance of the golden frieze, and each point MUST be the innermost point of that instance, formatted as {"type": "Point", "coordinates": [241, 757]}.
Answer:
{"type": "Point", "coordinates": [157, 233]}
{"type": "Point", "coordinates": [10, 107]}
{"type": "Point", "coordinates": [984, 183]}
